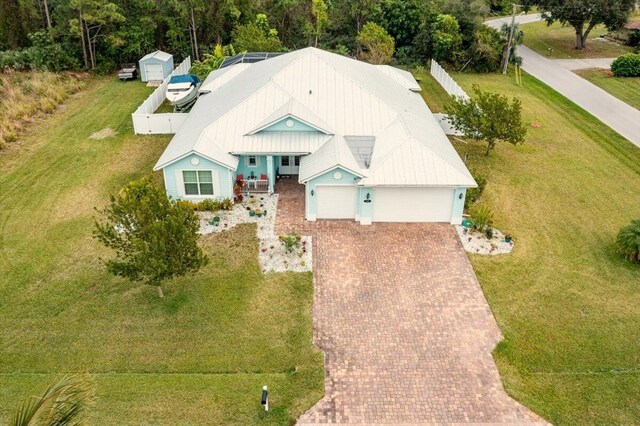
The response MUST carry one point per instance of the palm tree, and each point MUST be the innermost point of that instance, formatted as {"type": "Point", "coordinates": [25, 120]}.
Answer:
{"type": "Point", "coordinates": [63, 403]}
{"type": "Point", "coordinates": [628, 241]}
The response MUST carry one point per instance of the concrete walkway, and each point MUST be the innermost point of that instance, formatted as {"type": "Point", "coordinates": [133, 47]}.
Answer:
{"type": "Point", "coordinates": [580, 64]}
{"type": "Point", "coordinates": [616, 114]}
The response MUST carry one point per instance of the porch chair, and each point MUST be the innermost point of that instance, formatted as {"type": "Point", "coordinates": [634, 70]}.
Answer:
{"type": "Point", "coordinates": [263, 177]}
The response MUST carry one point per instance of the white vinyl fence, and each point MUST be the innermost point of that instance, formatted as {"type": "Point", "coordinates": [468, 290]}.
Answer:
{"type": "Point", "coordinates": [145, 122]}
{"type": "Point", "coordinates": [446, 81]}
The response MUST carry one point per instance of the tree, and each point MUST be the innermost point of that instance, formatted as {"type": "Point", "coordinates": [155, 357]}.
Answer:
{"type": "Point", "coordinates": [154, 238]}
{"type": "Point", "coordinates": [93, 17]}
{"type": "Point", "coordinates": [446, 39]}
{"type": "Point", "coordinates": [376, 45]}
{"type": "Point", "coordinates": [584, 15]}
{"type": "Point", "coordinates": [64, 402]}
{"type": "Point", "coordinates": [517, 40]}
{"type": "Point", "coordinates": [489, 117]}
{"type": "Point", "coordinates": [257, 36]}
{"type": "Point", "coordinates": [321, 18]}
{"type": "Point", "coordinates": [628, 241]}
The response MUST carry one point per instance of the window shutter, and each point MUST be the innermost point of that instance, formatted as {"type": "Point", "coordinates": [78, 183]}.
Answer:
{"type": "Point", "coordinates": [179, 183]}
{"type": "Point", "coordinates": [215, 177]}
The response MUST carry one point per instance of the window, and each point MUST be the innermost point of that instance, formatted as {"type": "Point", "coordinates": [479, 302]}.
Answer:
{"type": "Point", "coordinates": [296, 160]}
{"type": "Point", "coordinates": [284, 161]}
{"type": "Point", "coordinates": [252, 160]}
{"type": "Point", "coordinates": [197, 182]}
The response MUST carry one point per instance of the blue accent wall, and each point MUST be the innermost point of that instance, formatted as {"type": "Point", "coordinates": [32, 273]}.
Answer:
{"type": "Point", "coordinates": [458, 205]}
{"type": "Point", "coordinates": [281, 126]}
{"type": "Point", "coordinates": [327, 178]}
{"type": "Point", "coordinates": [260, 168]}
{"type": "Point", "coordinates": [224, 184]}
{"type": "Point", "coordinates": [364, 210]}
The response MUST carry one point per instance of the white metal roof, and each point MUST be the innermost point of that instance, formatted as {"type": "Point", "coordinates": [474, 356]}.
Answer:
{"type": "Point", "coordinates": [339, 95]}
{"type": "Point", "coordinates": [158, 54]}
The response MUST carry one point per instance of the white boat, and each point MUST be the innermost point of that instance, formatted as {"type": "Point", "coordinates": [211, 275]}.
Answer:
{"type": "Point", "coordinates": [182, 90]}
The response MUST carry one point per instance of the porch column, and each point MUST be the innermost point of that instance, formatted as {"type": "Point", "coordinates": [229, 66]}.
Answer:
{"type": "Point", "coordinates": [270, 174]}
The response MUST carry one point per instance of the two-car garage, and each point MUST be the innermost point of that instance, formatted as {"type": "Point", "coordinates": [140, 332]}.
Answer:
{"type": "Point", "coordinates": [406, 204]}
{"type": "Point", "coordinates": [390, 204]}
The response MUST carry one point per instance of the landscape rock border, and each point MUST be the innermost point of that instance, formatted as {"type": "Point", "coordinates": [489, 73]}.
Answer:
{"type": "Point", "coordinates": [476, 242]}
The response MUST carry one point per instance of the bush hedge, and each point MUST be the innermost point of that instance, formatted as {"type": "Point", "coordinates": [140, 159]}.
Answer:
{"type": "Point", "coordinates": [627, 65]}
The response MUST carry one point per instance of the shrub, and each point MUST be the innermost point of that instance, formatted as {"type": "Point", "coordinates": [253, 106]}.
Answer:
{"type": "Point", "coordinates": [482, 216]}
{"type": "Point", "coordinates": [488, 232]}
{"type": "Point", "coordinates": [628, 241]}
{"type": "Point", "coordinates": [190, 204]}
{"type": "Point", "coordinates": [627, 65]}
{"type": "Point", "coordinates": [290, 241]}
{"type": "Point", "coordinates": [473, 194]}
{"type": "Point", "coordinates": [209, 205]}
{"type": "Point", "coordinates": [226, 204]}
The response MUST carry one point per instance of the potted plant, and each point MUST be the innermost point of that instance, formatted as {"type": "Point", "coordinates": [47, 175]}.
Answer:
{"type": "Point", "coordinates": [258, 212]}
{"type": "Point", "coordinates": [508, 238]}
{"type": "Point", "coordinates": [252, 213]}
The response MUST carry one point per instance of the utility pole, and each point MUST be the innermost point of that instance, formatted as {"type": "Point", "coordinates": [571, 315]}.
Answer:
{"type": "Point", "coordinates": [512, 29]}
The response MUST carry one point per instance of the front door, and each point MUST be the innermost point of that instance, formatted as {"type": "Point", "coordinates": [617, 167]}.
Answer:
{"type": "Point", "coordinates": [289, 165]}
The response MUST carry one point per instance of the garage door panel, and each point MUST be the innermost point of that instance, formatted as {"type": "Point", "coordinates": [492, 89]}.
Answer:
{"type": "Point", "coordinates": [413, 204]}
{"type": "Point", "coordinates": [336, 202]}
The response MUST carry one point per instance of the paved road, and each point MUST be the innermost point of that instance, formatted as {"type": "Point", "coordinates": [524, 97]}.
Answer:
{"type": "Point", "coordinates": [616, 114]}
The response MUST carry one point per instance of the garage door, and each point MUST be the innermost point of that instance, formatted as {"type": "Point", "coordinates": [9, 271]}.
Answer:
{"type": "Point", "coordinates": [412, 204]}
{"type": "Point", "coordinates": [154, 72]}
{"type": "Point", "coordinates": [336, 202]}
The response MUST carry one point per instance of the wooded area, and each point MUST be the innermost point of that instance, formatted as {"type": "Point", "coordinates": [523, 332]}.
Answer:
{"type": "Point", "coordinates": [99, 35]}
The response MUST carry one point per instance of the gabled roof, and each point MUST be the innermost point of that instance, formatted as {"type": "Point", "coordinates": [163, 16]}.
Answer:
{"type": "Point", "coordinates": [332, 154]}
{"type": "Point", "coordinates": [336, 94]}
{"type": "Point", "coordinates": [294, 109]}
{"type": "Point", "coordinates": [158, 54]}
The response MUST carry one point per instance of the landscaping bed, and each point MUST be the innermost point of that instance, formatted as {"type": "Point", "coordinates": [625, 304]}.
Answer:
{"type": "Point", "coordinates": [273, 253]}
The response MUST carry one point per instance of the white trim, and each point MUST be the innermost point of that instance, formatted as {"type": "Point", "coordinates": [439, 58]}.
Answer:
{"type": "Point", "coordinates": [246, 161]}
{"type": "Point", "coordinates": [215, 183]}
{"type": "Point", "coordinates": [228, 166]}
{"type": "Point", "coordinates": [288, 116]}
{"type": "Point", "coordinates": [330, 169]}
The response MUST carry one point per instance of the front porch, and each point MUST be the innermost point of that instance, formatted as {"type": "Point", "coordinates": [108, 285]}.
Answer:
{"type": "Point", "coordinates": [259, 172]}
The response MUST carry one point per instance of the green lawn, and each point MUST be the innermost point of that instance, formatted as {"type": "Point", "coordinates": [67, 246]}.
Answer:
{"type": "Point", "coordinates": [567, 303]}
{"type": "Point", "coordinates": [199, 356]}
{"type": "Point", "coordinates": [626, 89]}
{"type": "Point", "coordinates": [562, 40]}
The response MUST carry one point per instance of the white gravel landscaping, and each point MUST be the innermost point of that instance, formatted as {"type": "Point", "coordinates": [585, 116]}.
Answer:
{"type": "Point", "coordinates": [271, 252]}
{"type": "Point", "coordinates": [477, 242]}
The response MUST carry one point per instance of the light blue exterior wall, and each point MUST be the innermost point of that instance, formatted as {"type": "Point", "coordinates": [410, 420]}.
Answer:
{"type": "Point", "coordinates": [167, 66]}
{"type": "Point", "coordinates": [224, 184]}
{"type": "Point", "coordinates": [458, 205]}
{"type": "Point", "coordinates": [327, 178]}
{"type": "Point", "coordinates": [364, 209]}
{"type": "Point", "coordinates": [281, 126]}
{"type": "Point", "coordinates": [245, 170]}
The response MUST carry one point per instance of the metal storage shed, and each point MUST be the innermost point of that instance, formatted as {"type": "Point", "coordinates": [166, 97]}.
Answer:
{"type": "Point", "coordinates": [156, 66]}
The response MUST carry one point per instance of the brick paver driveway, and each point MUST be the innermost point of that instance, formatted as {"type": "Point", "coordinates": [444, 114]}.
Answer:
{"type": "Point", "coordinates": [405, 328]}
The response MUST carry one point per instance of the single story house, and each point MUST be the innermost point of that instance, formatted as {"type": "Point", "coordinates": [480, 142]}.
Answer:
{"type": "Point", "coordinates": [156, 66]}
{"type": "Point", "coordinates": [358, 137]}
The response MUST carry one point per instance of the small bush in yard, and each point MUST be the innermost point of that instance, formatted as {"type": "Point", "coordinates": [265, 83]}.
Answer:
{"type": "Point", "coordinates": [627, 65]}
{"type": "Point", "coordinates": [209, 205]}
{"type": "Point", "coordinates": [628, 241]}
{"type": "Point", "coordinates": [290, 241]}
{"type": "Point", "coordinates": [482, 216]}
{"type": "Point", "coordinates": [226, 204]}
{"type": "Point", "coordinates": [473, 194]}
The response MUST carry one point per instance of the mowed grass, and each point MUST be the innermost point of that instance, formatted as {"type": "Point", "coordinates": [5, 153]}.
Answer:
{"type": "Point", "coordinates": [627, 89]}
{"type": "Point", "coordinates": [567, 303]}
{"type": "Point", "coordinates": [201, 355]}
{"type": "Point", "coordinates": [561, 39]}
